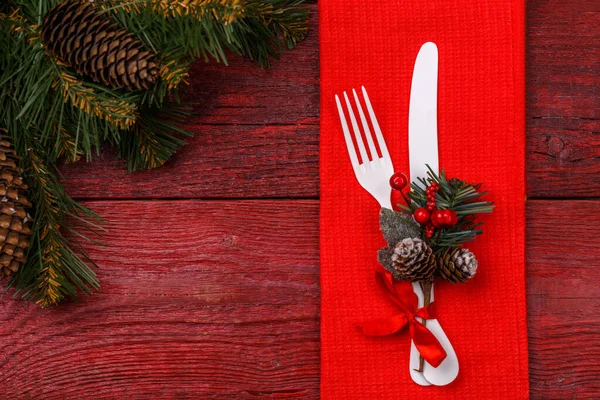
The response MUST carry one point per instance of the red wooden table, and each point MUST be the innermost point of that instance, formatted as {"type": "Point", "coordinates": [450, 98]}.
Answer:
{"type": "Point", "coordinates": [210, 283]}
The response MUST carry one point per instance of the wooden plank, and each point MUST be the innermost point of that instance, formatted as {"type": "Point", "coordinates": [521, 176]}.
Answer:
{"type": "Point", "coordinates": [220, 299]}
{"type": "Point", "coordinates": [199, 300]}
{"type": "Point", "coordinates": [563, 293]}
{"type": "Point", "coordinates": [563, 98]}
{"type": "Point", "coordinates": [222, 161]}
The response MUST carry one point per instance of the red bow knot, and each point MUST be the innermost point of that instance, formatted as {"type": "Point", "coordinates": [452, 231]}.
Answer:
{"type": "Point", "coordinates": [401, 294]}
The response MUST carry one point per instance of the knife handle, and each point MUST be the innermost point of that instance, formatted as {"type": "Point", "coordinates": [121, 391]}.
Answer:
{"type": "Point", "coordinates": [447, 371]}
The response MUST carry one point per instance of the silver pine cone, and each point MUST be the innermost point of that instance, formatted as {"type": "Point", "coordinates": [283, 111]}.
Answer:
{"type": "Point", "coordinates": [413, 259]}
{"type": "Point", "coordinates": [457, 265]}
{"type": "Point", "coordinates": [465, 260]}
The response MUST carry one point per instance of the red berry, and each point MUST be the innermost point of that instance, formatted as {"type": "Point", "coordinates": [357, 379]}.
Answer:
{"type": "Point", "coordinates": [429, 230]}
{"type": "Point", "coordinates": [398, 181]}
{"type": "Point", "coordinates": [444, 218]}
{"type": "Point", "coordinates": [437, 218]}
{"type": "Point", "coordinates": [453, 218]}
{"type": "Point", "coordinates": [422, 215]}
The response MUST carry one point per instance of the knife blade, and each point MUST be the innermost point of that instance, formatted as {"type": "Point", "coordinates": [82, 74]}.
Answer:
{"type": "Point", "coordinates": [422, 114]}
{"type": "Point", "coordinates": [423, 151]}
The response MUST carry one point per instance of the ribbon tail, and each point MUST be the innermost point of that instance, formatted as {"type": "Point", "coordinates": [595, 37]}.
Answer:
{"type": "Point", "coordinates": [427, 344]}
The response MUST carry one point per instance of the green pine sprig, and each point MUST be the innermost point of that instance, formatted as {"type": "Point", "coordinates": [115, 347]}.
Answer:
{"type": "Point", "coordinates": [454, 194]}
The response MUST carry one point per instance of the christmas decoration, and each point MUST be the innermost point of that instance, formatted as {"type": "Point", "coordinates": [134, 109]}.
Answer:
{"type": "Point", "coordinates": [76, 74]}
{"type": "Point", "coordinates": [15, 222]}
{"type": "Point", "coordinates": [429, 230]}
{"type": "Point", "coordinates": [444, 218]}
{"type": "Point", "coordinates": [431, 191]}
{"type": "Point", "coordinates": [456, 265]}
{"type": "Point", "coordinates": [413, 260]}
{"type": "Point", "coordinates": [422, 215]}
{"type": "Point", "coordinates": [398, 181]}
{"type": "Point", "coordinates": [425, 242]}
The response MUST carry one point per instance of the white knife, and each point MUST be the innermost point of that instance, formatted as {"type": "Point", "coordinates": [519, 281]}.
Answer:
{"type": "Point", "coordinates": [423, 149]}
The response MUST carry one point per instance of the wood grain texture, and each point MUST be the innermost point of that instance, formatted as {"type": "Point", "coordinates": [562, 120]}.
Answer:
{"type": "Point", "coordinates": [198, 300]}
{"type": "Point", "coordinates": [222, 161]}
{"type": "Point", "coordinates": [224, 303]}
{"type": "Point", "coordinates": [563, 272]}
{"type": "Point", "coordinates": [563, 98]}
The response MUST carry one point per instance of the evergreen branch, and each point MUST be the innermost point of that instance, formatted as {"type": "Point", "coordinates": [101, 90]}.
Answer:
{"type": "Point", "coordinates": [16, 22]}
{"type": "Point", "coordinates": [120, 113]}
{"type": "Point", "coordinates": [67, 147]}
{"type": "Point", "coordinates": [55, 268]}
{"type": "Point", "coordinates": [262, 29]}
{"type": "Point", "coordinates": [173, 74]}
{"type": "Point", "coordinates": [225, 11]}
{"type": "Point", "coordinates": [454, 194]}
{"type": "Point", "coordinates": [268, 27]}
{"type": "Point", "coordinates": [150, 142]}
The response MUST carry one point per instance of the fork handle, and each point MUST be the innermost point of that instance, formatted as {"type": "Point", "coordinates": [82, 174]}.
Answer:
{"type": "Point", "coordinates": [386, 201]}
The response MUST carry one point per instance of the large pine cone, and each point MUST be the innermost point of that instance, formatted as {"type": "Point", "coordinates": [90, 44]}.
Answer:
{"type": "Point", "coordinates": [456, 265]}
{"type": "Point", "coordinates": [413, 260]}
{"type": "Point", "coordinates": [95, 46]}
{"type": "Point", "coordinates": [15, 222]}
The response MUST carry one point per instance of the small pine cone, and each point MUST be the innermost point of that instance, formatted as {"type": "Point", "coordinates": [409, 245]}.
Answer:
{"type": "Point", "coordinates": [456, 265]}
{"type": "Point", "coordinates": [413, 260]}
{"type": "Point", "coordinates": [15, 222]}
{"type": "Point", "coordinates": [97, 47]}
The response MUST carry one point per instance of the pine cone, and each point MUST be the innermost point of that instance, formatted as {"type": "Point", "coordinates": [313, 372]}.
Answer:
{"type": "Point", "coordinates": [95, 46]}
{"type": "Point", "coordinates": [413, 260]}
{"type": "Point", "coordinates": [456, 265]}
{"type": "Point", "coordinates": [15, 222]}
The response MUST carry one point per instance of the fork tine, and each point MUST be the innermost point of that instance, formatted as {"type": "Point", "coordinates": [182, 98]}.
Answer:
{"type": "Point", "coordinates": [349, 144]}
{"type": "Point", "coordinates": [359, 142]}
{"type": "Point", "coordinates": [380, 141]}
{"type": "Point", "coordinates": [367, 130]}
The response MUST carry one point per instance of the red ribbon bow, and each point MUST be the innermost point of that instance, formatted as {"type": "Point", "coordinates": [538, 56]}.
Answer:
{"type": "Point", "coordinates": [401, 294]}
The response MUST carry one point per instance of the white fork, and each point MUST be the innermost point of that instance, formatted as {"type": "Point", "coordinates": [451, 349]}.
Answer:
{"type": "Point", "coordinates": [373, 173]}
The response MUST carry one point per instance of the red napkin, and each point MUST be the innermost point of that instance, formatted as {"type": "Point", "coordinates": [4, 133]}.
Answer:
{"type": "Point", "coordinates": [481, 139]}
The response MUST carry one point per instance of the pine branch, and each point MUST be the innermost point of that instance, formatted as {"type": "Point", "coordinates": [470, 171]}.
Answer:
{"type": "Point", "coordinates": [67, 147]}
{"type": "Point", "coordinates": [174, 73]}
{"type": "Point", "coordinates": [258, 29]}
{"type": "Point", "coordinates": [456, 195]}
{"type": "Point", "coordinates": [55, 268]}
{"type": "Point", "coordinates": [281, 24]}
{"type": "Point", "coordinates": [150, 142]}
{"type": "Point", "coordinates": [118, 112]}
{"type": "Point", "coordinates": [226, 11]}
